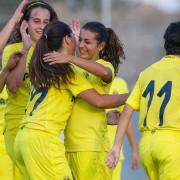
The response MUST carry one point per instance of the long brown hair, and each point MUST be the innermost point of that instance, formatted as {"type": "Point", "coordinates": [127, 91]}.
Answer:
{"type": "Point", "coordinates": [16, 35]}
{"type": "Point", "coordinates": [113, 51]}
{"type": "Point", "coordinates": [41, 73]}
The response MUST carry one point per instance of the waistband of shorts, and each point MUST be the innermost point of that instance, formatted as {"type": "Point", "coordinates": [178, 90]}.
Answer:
{"type": "Point", "coordinates": [161, 131]}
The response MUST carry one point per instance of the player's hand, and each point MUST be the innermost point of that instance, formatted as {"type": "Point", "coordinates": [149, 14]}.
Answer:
{"type": "Point", "coordinates": [25, 36]}
{"type": "Point", "coordinates": [13, 61]}
{"type": "Point", "coordinates": [75, 27]}
{"type": "Point", "coordinates": [18, 13]}
{"type": "Point", "coordinates": [113, 117]}
{"type": "Point", "coordinates": [113, 157]}
{"type": "Point", "coordinates": [56, 58]}
{"type": "Point", "coordinates": [135, 160]}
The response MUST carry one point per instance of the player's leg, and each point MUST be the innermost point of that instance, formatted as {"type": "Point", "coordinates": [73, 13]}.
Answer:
{"type": "Point", "coordinates": [9, 137]}
{"type": "Point", "coordinates": [6, 164]}
{"type": "Point", "coordinates": [88, 165]}
{"type": "Point", "coordinates": [145, 151]}
{"type": "Point", "coordinates": [44, 156]}
{"type": "Point", "coordinates": [166, 152]}
{"type": "Point", "coordinates": [18, 156]}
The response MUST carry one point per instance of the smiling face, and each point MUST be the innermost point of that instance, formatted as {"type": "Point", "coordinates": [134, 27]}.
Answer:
{"type": "Point", "coordinates": [89, 47]}
{"type": "Point", "coordinates": [38, 19]}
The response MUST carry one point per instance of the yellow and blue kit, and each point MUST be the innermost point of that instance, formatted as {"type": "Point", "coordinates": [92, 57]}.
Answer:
{"type": "Point", "coordinates": [40, 154]}
{"type": "Point", "coordinates": [156, 95]}
{"type": "Point", "coordinates": [86, 133]}
{"type": "Point", "coordinates": [15, 108]}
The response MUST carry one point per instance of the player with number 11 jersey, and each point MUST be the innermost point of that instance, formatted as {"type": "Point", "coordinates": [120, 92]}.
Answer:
{"type": "Point", "coordinates": [156, 96]}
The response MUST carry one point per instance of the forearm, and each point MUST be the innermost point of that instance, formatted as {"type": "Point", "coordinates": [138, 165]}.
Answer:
{"type": "Point", "coordinates": [3, 77]}
{"type": "Point", "coordinates": [111, 101]}
{"type": "Point", "coordinates": [103, 101]}
{"type": "Point", "coordinates": [122, 125]}
{"type": "Point", "coordinates": [5, 33]}
{"type": "Point", "coordinates": [15, 77]}
{"type": "Point", "coordinates": [93, 67]}
{"type": "Point", "coordinates": [131, 138]}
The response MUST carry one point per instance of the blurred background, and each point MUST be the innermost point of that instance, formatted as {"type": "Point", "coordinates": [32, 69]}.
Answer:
{"type": "Point", "coordinates": [140, 25]}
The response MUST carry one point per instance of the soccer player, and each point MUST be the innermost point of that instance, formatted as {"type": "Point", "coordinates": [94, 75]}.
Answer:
{"type": "Point", "coordinates": [4, 36]}
{"type": "Point", "coordinates": [156, 97]}
{"type": "Point", "coordinates": [40, 154]}
{"type": "Point", "coordinates": [119, 86]}
{"type": "Point", "coordinates": [36, 15]}
{"type": "Point", "coordinates": [7, 170]}
{"type": "Point", "coordinates": [100, 51]}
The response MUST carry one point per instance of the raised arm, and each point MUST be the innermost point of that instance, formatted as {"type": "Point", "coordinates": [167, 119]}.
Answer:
{"type": "Point", "coordinates": [15, 77]}
{"type": "Point", "coordinates": [6, 31]}
{"type": "Point", "coordinates": [12, 63]}
{"type": "Point", "coordinates": [93, 67]}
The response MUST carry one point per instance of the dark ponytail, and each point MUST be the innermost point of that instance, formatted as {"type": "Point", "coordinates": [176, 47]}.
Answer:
{"type": "Point", "coordinates": [113, 50]}
{"type": "Point", "coordinates": [41, 73]}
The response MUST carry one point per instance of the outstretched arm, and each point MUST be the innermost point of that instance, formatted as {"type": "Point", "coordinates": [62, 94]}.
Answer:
{"type": "Point", "coordinates": [6, 31]}
{"type": "Point", "coordinates": [103, 100]}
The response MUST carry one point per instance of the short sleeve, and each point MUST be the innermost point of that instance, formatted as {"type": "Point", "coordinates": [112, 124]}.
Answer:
{"type": "Point", "coordinates": [78, 85]}
{"type": "Point", "coordinates": [135, 96]}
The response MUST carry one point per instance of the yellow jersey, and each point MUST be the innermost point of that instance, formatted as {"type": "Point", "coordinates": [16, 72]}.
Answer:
{"type": "Point", "coordinates": [16, 104]}
{"type": "Point", "coordinates": [87, 126]}
{"type": "Point", "coordinates": [49, 110]}
{"type": "Point", "coordinates": [3, 101]}
{"type": "Point", "coordinates": [156, 95]}
{"type": "Point", "coordinates": [118, 86]}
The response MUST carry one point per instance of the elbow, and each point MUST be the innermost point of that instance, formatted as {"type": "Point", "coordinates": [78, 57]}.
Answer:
{"type": "Point", "coordinates": [107, 73]}
{"type": "Point", "coordinates": [107, 76]}
{"type": "Point", "coordinates": [12, 87]}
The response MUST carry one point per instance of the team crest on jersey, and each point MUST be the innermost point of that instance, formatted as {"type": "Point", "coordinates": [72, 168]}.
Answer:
{"type": "Point", "coordinates": [86, 75]}
{"type": "Point", "coordinates": [66, 178]}
{"type": "Point", "coordinates": [3, 101]}
{"type": "Point", "coordinates": [26, 75]}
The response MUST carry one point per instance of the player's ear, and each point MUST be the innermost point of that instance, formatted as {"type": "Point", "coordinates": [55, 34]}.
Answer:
{"type": "Point", "coordinates": [67, 40]}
